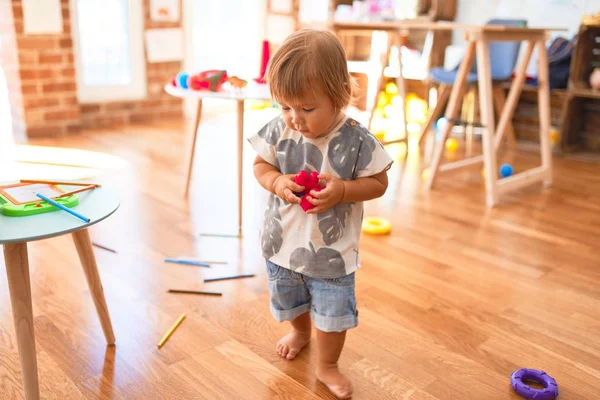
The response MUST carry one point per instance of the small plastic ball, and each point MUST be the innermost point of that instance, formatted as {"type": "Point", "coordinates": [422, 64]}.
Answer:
{"type": "Point", "coordinates": [506, 170]}
{"type": "Point", "coordinates": [441, 123]}
{"type": "Point", "coordinates": [391, 88]}
{"type": "Point", "coordinates": [182, 80]}
{"type": "Point", "coordinates": [425, 174]}
{"type": "Point", "coordinates": [452, 144]}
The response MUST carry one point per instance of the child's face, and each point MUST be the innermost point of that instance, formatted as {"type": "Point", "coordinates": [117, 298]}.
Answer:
{"type": "Point", "coordinates": [313, 116]}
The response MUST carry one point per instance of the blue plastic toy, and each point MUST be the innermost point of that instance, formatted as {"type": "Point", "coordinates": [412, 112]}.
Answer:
{"type": "Point", "coordinates": [441, 124]}
{"type": "Point", "coordinates": [518, 378]}
{"type": "Point", "coordinates": [182, 80]}
{"type": "Point", "coordinates": [506, 170]}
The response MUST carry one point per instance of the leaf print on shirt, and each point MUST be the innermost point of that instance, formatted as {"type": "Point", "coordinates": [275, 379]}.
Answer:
{"type": "Point", "coordinates": [293, 157]}
{"type": "Point", "coordinates": [332, 222]}
{"type": "Point", "coordinates": [271, 132]}
{"type": "Point", "coordinates": [351, 150]}
{"type": "Point", "coordinates": [327, 261]}
{"type": "Point", "coordinates": [272, 236]}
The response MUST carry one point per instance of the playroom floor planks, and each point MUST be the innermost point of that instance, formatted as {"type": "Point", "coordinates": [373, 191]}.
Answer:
{"type": "Point", "coordinates": [453, 301]}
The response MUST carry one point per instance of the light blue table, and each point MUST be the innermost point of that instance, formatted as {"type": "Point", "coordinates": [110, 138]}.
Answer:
{"type": "Point", "coordinates": [15, 232]}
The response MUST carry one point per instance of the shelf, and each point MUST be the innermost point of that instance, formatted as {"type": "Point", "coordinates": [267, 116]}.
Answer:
{"type": "Point", "coordinates": [587, 93]}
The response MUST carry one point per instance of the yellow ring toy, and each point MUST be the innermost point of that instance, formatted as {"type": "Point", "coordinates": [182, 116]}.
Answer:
{"type": "Point", "coordinates": [376, 226]}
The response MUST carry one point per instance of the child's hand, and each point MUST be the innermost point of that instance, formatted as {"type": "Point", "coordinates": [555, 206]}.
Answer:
{"type": "Point", "coordinates": [284, 187]}
{"type": "Point", "coordinates": [328, 197]}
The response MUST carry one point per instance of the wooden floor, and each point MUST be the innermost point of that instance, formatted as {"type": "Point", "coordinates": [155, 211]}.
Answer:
{"type": "Point", "coordinates": [453, 301]}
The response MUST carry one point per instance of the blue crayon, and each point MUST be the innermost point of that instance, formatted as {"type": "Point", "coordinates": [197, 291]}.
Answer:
{"type": "Point", "coordinates": [187, 262]}
{"type": "Point", "coordinates": [67, 209]}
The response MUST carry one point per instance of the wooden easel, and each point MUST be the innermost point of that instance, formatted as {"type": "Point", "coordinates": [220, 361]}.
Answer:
{"type": "Point", "coordinates": [478, 39]}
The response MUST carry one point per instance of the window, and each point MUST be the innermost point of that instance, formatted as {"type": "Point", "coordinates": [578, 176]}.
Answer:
{"type": "Point", "coordinates": [109, 51]}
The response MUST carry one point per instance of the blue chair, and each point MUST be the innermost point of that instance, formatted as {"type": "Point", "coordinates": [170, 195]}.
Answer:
{"type": "Point", "coordinates": [503, 59]}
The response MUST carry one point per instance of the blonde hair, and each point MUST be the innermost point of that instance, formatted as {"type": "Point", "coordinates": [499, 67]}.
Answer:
{"type": "Point", "coordinates": [309, 60]}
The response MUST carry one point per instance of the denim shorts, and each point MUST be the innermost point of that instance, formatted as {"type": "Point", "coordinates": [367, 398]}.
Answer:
{"type": "Point", "coordinates": [331, 302]}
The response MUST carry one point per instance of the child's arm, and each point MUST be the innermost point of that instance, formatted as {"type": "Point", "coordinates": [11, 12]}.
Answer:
{"type": "Point", "coordinates": [275, 182]}
{"type": "Point", "coordinates": [337, 191]}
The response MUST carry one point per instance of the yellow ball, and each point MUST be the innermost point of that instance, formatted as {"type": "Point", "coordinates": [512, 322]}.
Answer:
{"type": "Point", "coordinates": [382, 101]}
{"type": "Point", "coordinates": [425, 174]}
{"type": "Point", "coordinates": [380, 135]}
{"type": "Point", "coordinates": [391, 88]}
{"type": "Point", "coordinates": [452, 144]}
{"type": "Point", "coordinates": [412, 97]}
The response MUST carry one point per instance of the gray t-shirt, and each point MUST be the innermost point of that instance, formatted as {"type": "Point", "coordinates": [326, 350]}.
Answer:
{"type": "Point", "coordinates": [323, 245]}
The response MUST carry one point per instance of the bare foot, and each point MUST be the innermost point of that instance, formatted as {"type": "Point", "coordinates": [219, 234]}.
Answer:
{"type": "Point", "coordinates": [337, 383]}
{"type": "Point", "coordinates": [291, 344]}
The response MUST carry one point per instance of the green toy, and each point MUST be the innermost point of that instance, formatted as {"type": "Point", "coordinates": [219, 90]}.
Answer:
{"type": "Point", "coordinates": [21, 210]}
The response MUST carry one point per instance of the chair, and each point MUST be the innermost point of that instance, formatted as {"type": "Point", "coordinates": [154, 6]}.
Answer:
{"type": "Point", "coordinates": [503, 59]}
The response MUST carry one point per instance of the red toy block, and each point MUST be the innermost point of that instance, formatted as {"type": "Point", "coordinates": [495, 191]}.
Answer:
{"type": "Point", "coordinates": [310, 182]}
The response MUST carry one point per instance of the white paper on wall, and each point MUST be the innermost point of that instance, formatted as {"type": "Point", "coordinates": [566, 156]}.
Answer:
{"type": "Point", "coordinates": [164, 45]}
{"type": "Point", "coordinates": [42, 17]}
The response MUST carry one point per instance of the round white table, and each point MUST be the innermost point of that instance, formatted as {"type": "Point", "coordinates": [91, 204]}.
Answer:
{"type": "Point", "coordinates": [253, 91]}
{"type": "Point", "coordinates": [15, 232]}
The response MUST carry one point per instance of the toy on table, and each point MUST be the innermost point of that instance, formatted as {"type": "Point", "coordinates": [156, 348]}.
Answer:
{"type": "Point", "coordinates": [310, 182]}
{"type": "Point", "coordinates": [266, 55]}
{"type": "Point", "coordinates": [211, 80]}
{"type": "Point", "coordinates": [21, 199]}
{"type": "Point", "coordinates": [236, 82]}
{"type": "Point", "coordinates": [549, 392]}
{"type": "Point", "coordinates": [64, 208]}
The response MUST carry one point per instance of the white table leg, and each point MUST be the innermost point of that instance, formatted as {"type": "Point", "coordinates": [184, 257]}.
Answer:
{"type": "Point", "coordinates": [401, 84]}
{"type": "Point", "coordinates": [240, 130]}
{"type": "Point", "coordinates": [192, 149]}
{"type": "Point", "coordinates": [17, 270]}
{"type": "Point", "coordinates": [90, 268]}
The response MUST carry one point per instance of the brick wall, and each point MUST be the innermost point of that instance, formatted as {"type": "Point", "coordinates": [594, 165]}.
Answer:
{"type": "Point", "coordinates": [46, 69]}
{"type": "Point", "coordinates": [45, 79]}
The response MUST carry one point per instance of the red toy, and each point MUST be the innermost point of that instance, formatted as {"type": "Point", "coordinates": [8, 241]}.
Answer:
{"type": "Point", "coordinates": [208, 80]}
{"type": "Point", "coordinates": [310, 182]}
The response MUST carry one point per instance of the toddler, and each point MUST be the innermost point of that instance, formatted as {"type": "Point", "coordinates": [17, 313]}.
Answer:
{"type": "Point", "coordinates": [312, 256]}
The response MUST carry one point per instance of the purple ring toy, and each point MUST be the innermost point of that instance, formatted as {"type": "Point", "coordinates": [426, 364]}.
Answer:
{"type": "Point", "coordinates": [549, 392]}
